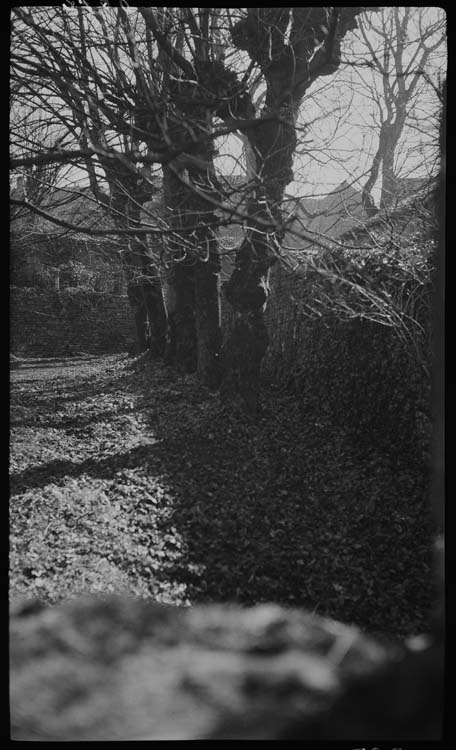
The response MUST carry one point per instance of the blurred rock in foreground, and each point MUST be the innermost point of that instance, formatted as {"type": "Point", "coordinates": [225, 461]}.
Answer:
{"type": "Point", "coordinates": [126, 669]}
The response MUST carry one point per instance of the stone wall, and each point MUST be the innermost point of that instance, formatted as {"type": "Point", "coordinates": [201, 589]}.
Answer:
{"type": "Point", "coordinates": [121, 669]}
{"type": "Point", "coordinates": [56, 323]}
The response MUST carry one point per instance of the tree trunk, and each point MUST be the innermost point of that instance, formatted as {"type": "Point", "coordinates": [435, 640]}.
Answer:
{"type": "Point", "coordinates": [208, 319]}
{"type": "Point", "coordinates": [247, 291]}
{"type": "Point", "coordinates": [154, 303]}
{"type": "Point", "coordinates": [248, 288]}
{"type": "Point", "coordinates": [181, 346]}
{"type": "Point", "coordinates": [389, 192]}
{"type": "Point", "coordinates": [144, 287]}
{"type": "Point", "coordinates": [140, 316]}
{"type": "Point", "coordinates": [145, 294]}
{"type": "Point", "coordinates": [389, 135]}
{"type": "Point", "coordinates": [194, 312]}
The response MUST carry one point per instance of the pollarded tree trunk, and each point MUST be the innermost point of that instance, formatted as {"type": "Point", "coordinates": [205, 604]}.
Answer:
{"type": "Point", "coordinates": [151, 288]}
{"type": "Point", "coordinates": [247, 292]}
{"type": "Point", "coordinates": [181, 345]}
{"type": "Point", "coordinates": [194, 303]}
{"type": "Point", "coordinates": [139, 311]}
{"type": "Point", "coordinates": [135, 297]}
{"type": "Point", "coordinates": [208, 319]}
{"type": "Point", "coordinates": [273, 144]}
{"type": "Point", "coordinates": [144, 286]}
{"type": "Point", "coordinates": [157, 318]}
{"type": "Point", "coordinates": [194, 317]}
{"type": "Point", "coordinates": [145, 294]}
{"type": "Point", "coordinates": [292, 47]}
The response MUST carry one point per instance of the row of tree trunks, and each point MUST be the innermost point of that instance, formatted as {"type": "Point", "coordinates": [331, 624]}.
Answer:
{"type": "Point", "coordinates": [288, 69]}
{"type": "Point", "coordinates": [157, 318]}
{"type": "Point", "coordinates": [208, 316]}
{"type": "Point", "coordinates": [247, 291]}
{"type": "Point", "coordinates": [181, 345]}
{"type": "Point", "coordinates": [145, 294]}
{"type": "Point", "coordinates": [194, 307]}
{"type": "Point", "coordinates": [194, 316]}
{"type": "Point", "coordinates": [193, 89]}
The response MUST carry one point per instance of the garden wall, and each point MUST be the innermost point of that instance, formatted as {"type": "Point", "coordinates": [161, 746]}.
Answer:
{"type": "Point", "coordinates": [56, 323]}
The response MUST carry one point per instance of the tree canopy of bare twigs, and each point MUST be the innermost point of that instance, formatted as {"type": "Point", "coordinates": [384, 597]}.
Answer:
{"type": "Point", "coordinates": [139, 100]}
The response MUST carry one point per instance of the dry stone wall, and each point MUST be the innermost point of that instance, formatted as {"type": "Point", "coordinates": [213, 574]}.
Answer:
{"type": "Point", "coordinates": [70, 321]}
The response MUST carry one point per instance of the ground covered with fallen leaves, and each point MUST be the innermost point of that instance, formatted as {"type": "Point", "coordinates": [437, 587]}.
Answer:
{"type": "Point", "coordinates": [126, 477]}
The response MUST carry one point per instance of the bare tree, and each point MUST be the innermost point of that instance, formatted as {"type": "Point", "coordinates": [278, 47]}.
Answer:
{"type": "Point", "coordinates": [32, 132]}
{"type": "Point", "coordinates": [91, 89]}
{"type": "Point", "coordinates": [401, 43]}
{"type": "Point", "coordinates": [148, 88]}
{"type": "Point", "coordinates": [287, 49]}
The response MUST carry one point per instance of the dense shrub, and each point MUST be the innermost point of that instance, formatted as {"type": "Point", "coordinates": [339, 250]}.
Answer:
{"type": "Point", "coordinates": [76, 274]}
{"type": "Point", "coordinates": [37, 259]}
{"type": "Point", "coordinates": [352, 332]}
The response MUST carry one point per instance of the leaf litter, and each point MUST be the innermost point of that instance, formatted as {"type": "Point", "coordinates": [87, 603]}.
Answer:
{"type": "Point", "coordinates": [126, 477]}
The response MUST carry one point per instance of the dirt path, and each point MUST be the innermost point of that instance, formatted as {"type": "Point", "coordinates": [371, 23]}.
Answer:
{"type": "Point", "coordinates": [125, 477]}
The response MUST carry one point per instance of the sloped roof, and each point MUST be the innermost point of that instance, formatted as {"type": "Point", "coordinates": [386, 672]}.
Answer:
{"type": "Point", "coordinates": [328, 216]}
{"type": "Point", "coordinates": [414, 200]}
{"type": "Point", "coordinates": [341, 213]}
{"type": "Point", "coordinates": [335, 215]}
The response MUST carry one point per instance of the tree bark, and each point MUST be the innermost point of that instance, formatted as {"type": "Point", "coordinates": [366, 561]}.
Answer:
{"type": "Point", "coordinates": [289, 68]}
{"type": "Point", "coordinates": [292, 47]}
{"type": "Point", "coordinates": [154, 302]}
{"type": "Point", "coordinates": [181, 345]}
{"type": "Point", "coordinates": [391, 134]}
{"type": "Point", "coordinates": [140, 315]}
{"type": "Point", "coordinates": [195, 314]}
{"type": "Point", "coordinates": [208, 315]}
{"type": "Point", "coordinates": [145, 294]}
{"type": "Point", "coordinates": [247, 291]}
{"type": "Point", "coordinates": [208, 319]}
{"type": "Point", "coordinates": [273, 144]}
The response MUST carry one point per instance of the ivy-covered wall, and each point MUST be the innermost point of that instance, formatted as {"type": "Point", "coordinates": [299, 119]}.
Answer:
{"type": "Point", "coordinates": [70, 321]}
{"type": "Point", "coordinates": [356, 341]}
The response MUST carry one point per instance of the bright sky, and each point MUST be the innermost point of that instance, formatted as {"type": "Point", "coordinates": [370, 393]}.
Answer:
{"type": "Point", "coordinates": [339, 124]}
{"type": "Point", "coordinates": [342, 137]}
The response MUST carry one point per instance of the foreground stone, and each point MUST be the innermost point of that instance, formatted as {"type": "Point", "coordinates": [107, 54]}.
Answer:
{"type": "Point", "coordinates": [126, 669]}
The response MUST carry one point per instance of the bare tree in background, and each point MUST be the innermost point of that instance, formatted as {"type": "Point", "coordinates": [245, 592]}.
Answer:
{"type": "Point", "coordinates": [36, 182]}
{"type": "Point", "coordinates": [400, 43]}
{"type": "Point", "coordinates": [79, 68]}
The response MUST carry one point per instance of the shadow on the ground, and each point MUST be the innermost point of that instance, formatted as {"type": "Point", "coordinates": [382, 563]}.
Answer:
{"type": "Point", "coordinates": [96, 467]}
{"type": "Point", "coordinates": [281, 509]}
